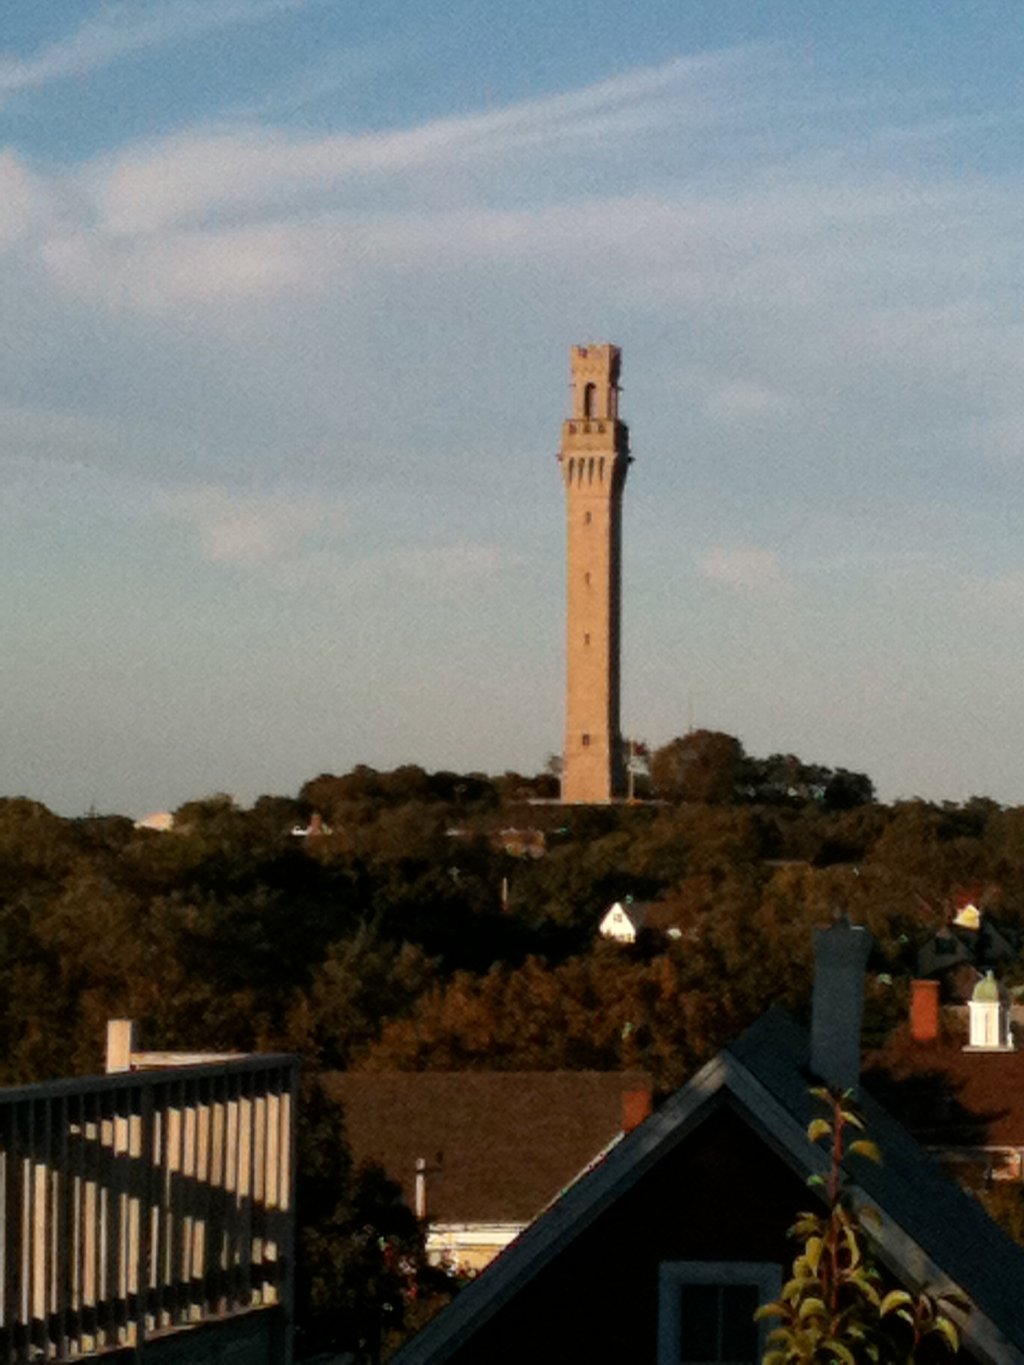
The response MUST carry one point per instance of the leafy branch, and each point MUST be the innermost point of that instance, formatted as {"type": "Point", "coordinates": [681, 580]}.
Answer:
{"type": "Point", "coordinates": [834, 1308]}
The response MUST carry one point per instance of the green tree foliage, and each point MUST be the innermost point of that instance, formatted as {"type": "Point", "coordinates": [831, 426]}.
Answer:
{"type": "Point", "coordinates": [836, 1307]}
{"type": "Point", "coordinates": [361, 1268]}
{"type": "Point", "coordinates": [602, 1011]}
{"type": "Point", "coordinates": [362, 981]}
{"type": "Point", "coordinates": [704, 765]}
{"type": "Point", "coordinates": [785, 780]}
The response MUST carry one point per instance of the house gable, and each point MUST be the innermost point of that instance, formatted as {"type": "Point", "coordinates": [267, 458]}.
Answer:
{"type": "Point", "coordinates": [623, 920]}
{"type": "Point", "coordinates": [652, 1200]}
{"type": "Point", "coordinates": [598, 1299]}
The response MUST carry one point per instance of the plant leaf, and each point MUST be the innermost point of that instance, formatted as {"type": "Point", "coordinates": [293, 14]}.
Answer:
{"type": "Point", "coordinates": [817, 1129]}
{"type": "Point", "coordinates": [769, 1310]}
{"type": "Point", "coordinates": [840, 1351]}
{"type": "Point", "coordinates": [896, 1298]}
{"type": "Point", "coordinates": [946, 1329]}
{"type": "Point", "coordinates": [813, 1308]}
{"type": "Point", "coordinates": [864, 1147]}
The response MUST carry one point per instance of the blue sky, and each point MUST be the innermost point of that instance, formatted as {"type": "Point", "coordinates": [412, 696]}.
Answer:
{"type": "Point", "coordinates": [289, 289]}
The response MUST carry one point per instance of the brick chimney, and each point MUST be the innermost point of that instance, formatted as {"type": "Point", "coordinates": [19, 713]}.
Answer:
{"type": "Point", "coordinates": [636, 1106]}
{"type": "Point", "coordinates": [924, 1011]}
{"type": "Point", "coordinates": [837, 1006]}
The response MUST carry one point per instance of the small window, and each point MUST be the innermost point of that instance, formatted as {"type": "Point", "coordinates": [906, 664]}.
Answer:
{"type": "Point", "coordinates": [586, 579]}
{"type": "Point", "coordinates": [590, 400]}
{"type": "Point", "coordinates": [706, 1311]}
{"type": "Point", "coordinates": [586, 637]}
{"type": "Point", "coordinates": [586, 741]}
{"type": "Point", "coordinates": [586, 518]}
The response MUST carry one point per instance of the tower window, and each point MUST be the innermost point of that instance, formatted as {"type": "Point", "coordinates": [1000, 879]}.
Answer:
{"type": "Point", "coordinates": [586, 579]}
{"type": "Point", "coordinates": [586, 518]}
{"type": "Point", "coordinates": [586, 638]}
{"type": "Point", "coordinates": [590, 400]}
{"type": "Point", "coordinates": [586, 741]}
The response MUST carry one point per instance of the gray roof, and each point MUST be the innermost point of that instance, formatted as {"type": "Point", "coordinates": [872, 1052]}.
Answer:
{"type": "Point", "coordinates": [929, 1233]}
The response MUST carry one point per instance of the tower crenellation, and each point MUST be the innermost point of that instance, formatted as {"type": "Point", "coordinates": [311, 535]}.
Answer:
{"type": "Point", "coordinates": [595, 458]}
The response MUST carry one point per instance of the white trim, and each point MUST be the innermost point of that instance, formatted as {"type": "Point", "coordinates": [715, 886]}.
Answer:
{"type": "Point", "coordinates": [764, 1276]}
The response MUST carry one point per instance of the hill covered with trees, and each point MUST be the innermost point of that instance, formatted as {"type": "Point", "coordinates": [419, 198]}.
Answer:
{"type": "Point", "coordinates": [449, 920]}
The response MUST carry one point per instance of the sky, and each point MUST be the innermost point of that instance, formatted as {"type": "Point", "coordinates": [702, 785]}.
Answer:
{"type": "Point", "coordinates": [288, 292]}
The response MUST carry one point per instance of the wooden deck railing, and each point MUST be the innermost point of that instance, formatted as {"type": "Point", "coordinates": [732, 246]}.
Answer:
{"type": "Point", "coordinates": [135, 1204]}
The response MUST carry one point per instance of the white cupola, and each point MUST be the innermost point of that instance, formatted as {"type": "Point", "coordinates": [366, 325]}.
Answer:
{"type": "Point", "coordinates": [989, 1011]}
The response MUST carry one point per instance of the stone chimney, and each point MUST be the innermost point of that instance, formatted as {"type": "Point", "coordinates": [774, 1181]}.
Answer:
{"type": "Point", "coordinates": [924, 1011]}
{"type": "Point", "coordinates": [837, 1006]}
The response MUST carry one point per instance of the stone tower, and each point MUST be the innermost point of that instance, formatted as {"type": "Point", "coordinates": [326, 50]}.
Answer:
{"type": "Point", "coordinates": [594, 459]}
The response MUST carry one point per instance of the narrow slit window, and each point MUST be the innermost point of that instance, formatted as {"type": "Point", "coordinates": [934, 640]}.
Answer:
{"type": "Point", "coordinates": [586, 741]}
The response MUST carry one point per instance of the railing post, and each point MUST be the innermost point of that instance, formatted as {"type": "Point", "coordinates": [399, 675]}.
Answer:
{"type": "Point", "coordinates": [122, 1041]}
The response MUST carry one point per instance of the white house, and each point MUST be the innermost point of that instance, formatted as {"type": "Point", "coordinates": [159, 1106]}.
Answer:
{"type": "Point", "coordinates": [624, 920]}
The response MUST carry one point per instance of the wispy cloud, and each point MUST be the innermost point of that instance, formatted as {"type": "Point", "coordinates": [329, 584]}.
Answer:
{"type": "Point", "coordinates": [448, 570]}
{"type": "Point", "coordinates": [301, 542]}
{"type": "Point", "coordinates": [747, 400]}
{"type": "Point", "coordinates": [247, 531]}
{"type": "Point", "coordinates": [743, 569]}
{"type": "Point", "coordinates": [20, 198]}
{"type": "Point", "coordinates": [160, 273]}
{"type": "Point", "coordinates": [227, 214]}
{"type": "Point", "coordinates": [121, 29]}
{"type": "Point", "coordinates": [184, 178]}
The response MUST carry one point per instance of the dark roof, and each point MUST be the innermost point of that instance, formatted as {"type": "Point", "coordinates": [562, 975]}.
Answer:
{"type": "Point", "coordinates": [948, 1097]}
{"type": "Point", "coordinates": [990, 945]}
{"type": "Point", "coordinates": [914, 1195]}
{"type": "Point", "coordinates": [499, 1145]}
{"type": "Point", "coordinates": [927, 1231]}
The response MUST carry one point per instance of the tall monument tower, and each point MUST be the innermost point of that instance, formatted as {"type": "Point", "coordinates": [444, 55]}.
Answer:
{"type": "Point", "coordinates": [594, 459]}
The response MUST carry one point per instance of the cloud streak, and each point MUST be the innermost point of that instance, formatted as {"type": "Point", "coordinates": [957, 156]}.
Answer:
{"type": "Point", "coordinates": [745, 569]}
{"type": "Point", "coordinates": [183, 179]}
{"type": "Point", "coordinates": [248, 531]}
{"type": "Point", "coordinates": [121, 30]}
{"type": "Point", "coordinates": [302, 543]}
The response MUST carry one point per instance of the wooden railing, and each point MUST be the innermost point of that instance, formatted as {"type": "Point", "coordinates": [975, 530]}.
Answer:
{"type": "Point", "coordinates": [135, 1204]}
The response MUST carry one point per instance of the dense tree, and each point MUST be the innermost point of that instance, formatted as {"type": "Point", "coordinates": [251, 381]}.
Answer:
{"type": "Point", "coordinates": [361, 1263]}
{"type": "Point", "coordinates": [704, 765]}
{"type": "Point", "coordinates": [605, 1010]}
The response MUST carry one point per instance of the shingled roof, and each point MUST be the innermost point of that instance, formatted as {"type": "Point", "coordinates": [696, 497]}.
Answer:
{"type": "Point", "coordinates": [499, 1145]}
